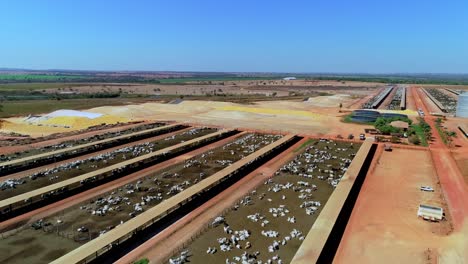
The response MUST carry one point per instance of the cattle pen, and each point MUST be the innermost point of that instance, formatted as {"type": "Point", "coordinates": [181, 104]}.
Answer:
{"type": "Point", "coordinates": [323, 239]}
{"type": "Point", "coordinates": [435, 101]}
{"type": "Point", "coordinates": [102, 244]}
{"type": "Point", "coordinates": [62, 154]}
{"type": "Point", "coordinates": [14, 205]}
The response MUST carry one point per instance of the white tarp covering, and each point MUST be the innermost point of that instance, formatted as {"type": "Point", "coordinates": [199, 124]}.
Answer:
{"type": "Point", "coordinates": [72, 113]}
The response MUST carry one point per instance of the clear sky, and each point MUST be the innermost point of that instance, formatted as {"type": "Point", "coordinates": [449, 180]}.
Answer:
{"type": "Point", "coordinates": [368, 36]}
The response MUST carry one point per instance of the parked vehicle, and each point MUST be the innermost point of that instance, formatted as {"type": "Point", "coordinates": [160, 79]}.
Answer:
{"type": "Point", "coordinates": [388, 147]}
{"type": "Point", "coordinates": [427, 188]}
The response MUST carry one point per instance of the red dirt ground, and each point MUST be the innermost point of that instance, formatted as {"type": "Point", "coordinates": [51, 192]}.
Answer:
{"type": "Point", "coordinates": [384, 228]}
{"type": "Point", "coordinates": [410, 104]}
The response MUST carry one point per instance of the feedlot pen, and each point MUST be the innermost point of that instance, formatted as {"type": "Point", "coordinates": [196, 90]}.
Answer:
{"type": "Point", "coordinates": [270, 223]}
{"type": "Point", "coordinates": [54, 236]}
{"type": "Point", "coordinates": [79, 167]}
{"type": "Point", "coordinates": [73, 143]}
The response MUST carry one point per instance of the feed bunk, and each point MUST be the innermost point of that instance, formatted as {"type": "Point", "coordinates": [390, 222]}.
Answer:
{"type": "Point", "coordinates": [403, 99]}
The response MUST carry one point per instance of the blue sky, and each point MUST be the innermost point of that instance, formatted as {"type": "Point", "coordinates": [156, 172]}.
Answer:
{"type": "Point", "coordinates": [379, 36]}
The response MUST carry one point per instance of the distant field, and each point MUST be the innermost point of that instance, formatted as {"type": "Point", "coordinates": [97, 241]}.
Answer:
{"type": "Point", "coordinates": [36, 86]}
{"type": "Point", "coordinates": [27, 107]}
{"type": "Point", "coordinates": [214, 79]}
{"type": "Point", "coordinates": [39, 77]}
{"type": "Point", "coordinates": [46, 78]}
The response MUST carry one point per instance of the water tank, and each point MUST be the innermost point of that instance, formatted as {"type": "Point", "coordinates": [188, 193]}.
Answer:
{"type": "Point", "coordinates": [462, 107]}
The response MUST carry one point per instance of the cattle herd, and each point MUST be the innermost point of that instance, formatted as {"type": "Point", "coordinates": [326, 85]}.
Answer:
{"type": "Point", "coordinates": [269, 224]}
{"type": "Point", "coordinates": [448, 102]}
{"type": "Point", "coordinates": [72, 143]}
{"type": "Point", "coordinates": [92, 218]}
{"type": "Point", "coordinates": [54, 174]}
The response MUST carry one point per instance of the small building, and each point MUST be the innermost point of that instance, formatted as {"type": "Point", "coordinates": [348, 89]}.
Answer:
{"type": "Point", "coordinates": [400, 124]}
{"type": "Point", "coordinates": [428, 212]}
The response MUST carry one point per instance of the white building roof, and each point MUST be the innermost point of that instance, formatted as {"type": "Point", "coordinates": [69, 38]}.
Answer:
{"type": "Point", "coordinates": [431, 211]}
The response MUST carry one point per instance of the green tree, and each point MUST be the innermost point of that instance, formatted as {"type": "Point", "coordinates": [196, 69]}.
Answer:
{"type": "Point", "coordinates": [414, 139]}
{"type": "Point", "coordinates": [142, 261]}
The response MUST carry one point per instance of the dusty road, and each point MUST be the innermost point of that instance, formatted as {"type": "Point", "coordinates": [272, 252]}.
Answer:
{"type": "Point", "coordinates": [410, 103]}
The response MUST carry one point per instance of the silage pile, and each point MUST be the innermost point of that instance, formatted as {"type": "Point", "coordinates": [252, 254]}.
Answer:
{"type": "Point", "coordinates": [75, 119]}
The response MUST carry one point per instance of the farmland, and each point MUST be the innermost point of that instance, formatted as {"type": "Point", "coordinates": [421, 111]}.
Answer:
{"type": "Point", "coordinates": [230, 171]}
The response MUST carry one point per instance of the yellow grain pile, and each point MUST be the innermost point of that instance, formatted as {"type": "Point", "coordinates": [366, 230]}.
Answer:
{"type": "Point", "coordinates": [404, 112]}
{"type": "Point", "coordinates": [30, 129]}
{"type": "Point", "coordinates": [82, 122]}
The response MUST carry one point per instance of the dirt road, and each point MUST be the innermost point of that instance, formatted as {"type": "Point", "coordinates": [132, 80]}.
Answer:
{"type": "Point", "coordinates": [410, 104]}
